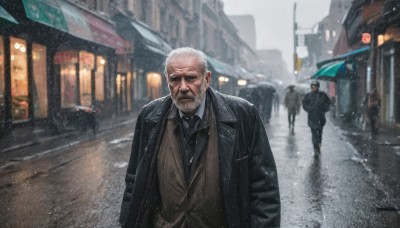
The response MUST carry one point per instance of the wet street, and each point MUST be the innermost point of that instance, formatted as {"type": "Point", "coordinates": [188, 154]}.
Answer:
{"type": "Point", "coordinates": [81, 185]}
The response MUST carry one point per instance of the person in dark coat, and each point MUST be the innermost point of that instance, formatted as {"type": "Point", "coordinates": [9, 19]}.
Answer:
{"type": "Point", "coordinates": [199, 158]}
{"type": "Point", "coordinates": [372, 102]}
{"type": "Point", "coordinates": [266, 94]}
{"type": "Point", "coordinates": [292, 103]}
{"type": "Point", "coordinates": [316, 103]}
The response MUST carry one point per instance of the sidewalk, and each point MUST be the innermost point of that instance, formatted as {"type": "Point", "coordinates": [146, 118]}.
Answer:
{"type": "Point", "coordinates": [380, 155]}
{"type": "Point", "coordinates": [29, 136]}
{"type": "Point", "coordinates": [385, 136]}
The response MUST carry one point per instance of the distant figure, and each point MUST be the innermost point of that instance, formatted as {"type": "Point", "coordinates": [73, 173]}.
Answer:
{"type": "Point", "coordinates": [372, 102]}
{"type": "Point", "coordinates": [276, 103]}
{"type": "Point", "coordinates": [316, 103]}
{"type": "Point", "coordinates": [266, 93]}
{"type": "Point", "coordinates": [292, 103]}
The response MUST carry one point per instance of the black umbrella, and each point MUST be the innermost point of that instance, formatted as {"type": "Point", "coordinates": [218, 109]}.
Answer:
{"type": "Point", "coordinates": [266, 87]}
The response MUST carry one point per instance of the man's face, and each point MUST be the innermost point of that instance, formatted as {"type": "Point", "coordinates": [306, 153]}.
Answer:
{"type": "Point", "coordinates": [314, 88]}
{"type": "Point", "coordinates": [186, 83]}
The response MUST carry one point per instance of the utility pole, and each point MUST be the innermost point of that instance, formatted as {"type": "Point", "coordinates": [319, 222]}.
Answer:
{"type": "Point", "coordinates": [295, 57]}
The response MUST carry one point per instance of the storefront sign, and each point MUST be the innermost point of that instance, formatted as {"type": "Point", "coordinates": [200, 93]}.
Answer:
{"type": "Point", "coordinates": [46, 13]}
{"type": "Point", "coordinates": [103, 33]}
{"type": "Point", "coordinates": [366, 38]}
{"type": "Point", "coordinates": [86, 59]}
{"type": "Point", "coordinates": [66, 57]}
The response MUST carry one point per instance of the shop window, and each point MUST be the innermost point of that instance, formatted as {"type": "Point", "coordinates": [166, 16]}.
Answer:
{"type": "Point", "coordinates": [1, 81]}
{"type": "Point", "coordinates": [86, 65]}
{"type": "Point", "coordinates": [19, 79]}
{"type": "Point", "coordinates": [129, 87]}
{"type": "Point", "coordinates": [68, 85]}
{"type": "Point", "coordinates": [153, 85]}
{"type": "Point", "coordinates": [135, 87]}
{"type": "Point", "coordinates": [39, 81]}
{"type": "Point", "coordinates": [100, 70]}
{"type": "Point", "coordinates": [118, 82]}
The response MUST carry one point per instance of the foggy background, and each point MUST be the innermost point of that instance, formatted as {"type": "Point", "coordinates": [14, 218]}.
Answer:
{"type": "Point", "coordinates": [274, 21]}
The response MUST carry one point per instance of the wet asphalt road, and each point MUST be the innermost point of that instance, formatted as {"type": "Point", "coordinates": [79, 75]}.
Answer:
{"type": "Point", "coordinates": [81, 185]}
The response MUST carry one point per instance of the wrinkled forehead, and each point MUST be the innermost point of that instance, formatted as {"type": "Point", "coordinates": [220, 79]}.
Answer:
{"type": "Point", "coordinates": [184, 61]}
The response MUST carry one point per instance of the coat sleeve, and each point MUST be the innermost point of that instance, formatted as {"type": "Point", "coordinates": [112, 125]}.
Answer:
{"type": "Point", "coordinates": [131, 171]}
{"type": "Point", "coordinates": [263, 179]}
{"type": "Point", "coordinates": [327, 102]}
{"type": "Point", "coordinates": [307, 106]}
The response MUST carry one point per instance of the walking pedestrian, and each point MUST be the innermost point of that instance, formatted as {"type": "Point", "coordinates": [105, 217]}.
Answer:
{"type": "Point", "coordinates": [266, 94]}
{"type": "Point", "coordinates": [199, 158]}
{"type": "Point", "coordinates": [372, 102]}
{"type": "Point", "coordinates": [292, 104]}
{"type": "Point", "coordinates": [316, 103]}
{"type": "Point", "coordinates": [276, 103]}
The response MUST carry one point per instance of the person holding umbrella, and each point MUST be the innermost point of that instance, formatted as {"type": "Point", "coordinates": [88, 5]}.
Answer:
{"type": "Point", "coordinates": [292, 103]}
{"type": "Point", "coordinates": [316, 103]}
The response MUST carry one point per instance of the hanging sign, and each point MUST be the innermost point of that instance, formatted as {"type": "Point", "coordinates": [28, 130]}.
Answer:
{"type": "Point", "coordinates": [366, 38]}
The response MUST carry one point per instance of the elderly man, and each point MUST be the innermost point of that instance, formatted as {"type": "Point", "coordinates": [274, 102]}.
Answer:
{"type": "Point", "coordinates": [199, 158]}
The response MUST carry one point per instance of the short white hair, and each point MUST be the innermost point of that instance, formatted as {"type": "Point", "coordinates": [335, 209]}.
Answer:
{"type": "Point", "coordinates": [187, 51]}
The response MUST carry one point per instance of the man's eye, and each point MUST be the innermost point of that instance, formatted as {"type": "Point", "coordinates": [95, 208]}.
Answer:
{"type": "Point", "coordinates": [173, 79]}
{"type": "Point", "coordinates": [191, 78]}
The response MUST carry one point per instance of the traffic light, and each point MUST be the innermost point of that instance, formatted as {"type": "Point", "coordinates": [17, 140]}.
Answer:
{"type": "Point", "coordinates": [297, 62]}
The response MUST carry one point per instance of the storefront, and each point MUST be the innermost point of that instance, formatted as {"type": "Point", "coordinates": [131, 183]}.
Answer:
{"type": "Point", "coordinates": [149, 52]}
{"type": "Point", "coordinates": [388, 83]}
{"type": "Point", "coordinates": [7, 23]}
{"type": "Point", "coordinates": [224, 77]}
{"type": "Point", "coordinates": [57, 57]}
{"type": "Point", "coordinates": [347, 72]}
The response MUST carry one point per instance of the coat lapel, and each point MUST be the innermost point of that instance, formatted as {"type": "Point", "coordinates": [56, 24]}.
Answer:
{"type": "Point", "coordinates": [226, 136]}
{"type": "Point", "coordinates": [175, 146]}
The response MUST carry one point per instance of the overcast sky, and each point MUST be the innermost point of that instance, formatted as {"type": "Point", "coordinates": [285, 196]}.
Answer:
{"type": "Point", "coordinates": [274, 20]}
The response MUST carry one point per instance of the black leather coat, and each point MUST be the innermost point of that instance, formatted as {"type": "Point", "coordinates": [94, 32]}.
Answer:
{"type": "Point", "coordinates": [316, 104]}
{"type": "Point", "coordinates": [247, 167]}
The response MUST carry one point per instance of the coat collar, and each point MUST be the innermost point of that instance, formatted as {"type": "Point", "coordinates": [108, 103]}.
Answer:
{"type": "Point", "coordinates": [222, 112]}
{"type": "Point", "coordinates": [161, 109]}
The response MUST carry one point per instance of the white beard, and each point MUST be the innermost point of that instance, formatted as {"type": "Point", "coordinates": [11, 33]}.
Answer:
{"type": "Point", "coordinates": [190, 106]}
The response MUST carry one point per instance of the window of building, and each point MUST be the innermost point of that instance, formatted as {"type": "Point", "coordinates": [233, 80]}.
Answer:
{"type": "Point", "coordinates": [129, 91]}
{"type": "Point", "coordinates": [1, 80]}
{"type": "Point", "coordinates": [153, 85]}
{"type": "Point", "coordinates": [39, 81]}
{"type": "Point", "coordinates": [69, 87]}
{"type": "Point", "coordinates": [327, 35]}
{"type": "Point", "coordinates": [69, 90]}
{"type": "Point", "coordinates": [19, 79]}
{"type": "Point", "coordinates": [86, 65]}
{"type": "Point", "coordinates": [99, 77]}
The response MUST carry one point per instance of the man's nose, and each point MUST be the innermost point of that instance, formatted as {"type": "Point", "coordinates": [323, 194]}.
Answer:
{"type": "Point", "coordinates": [184, 86]}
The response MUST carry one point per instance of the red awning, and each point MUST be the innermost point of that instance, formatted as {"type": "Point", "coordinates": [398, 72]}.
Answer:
{"type": "Point", "coordinates": [103, 33]}
{"type": "Point", "coordinates": [93, 28]}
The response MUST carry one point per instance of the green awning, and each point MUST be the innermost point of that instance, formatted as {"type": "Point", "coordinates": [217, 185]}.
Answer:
{"type": "Point", "coordinates": [330, 71]}
{"type": "Point", "coordinates": [151, 38]}
{"type": "Point", "coordinates": [45, 12]}
{"type": "Point", "coordinates": [221, 67]}
{"type": "Point", "coordinates": [4, 15]}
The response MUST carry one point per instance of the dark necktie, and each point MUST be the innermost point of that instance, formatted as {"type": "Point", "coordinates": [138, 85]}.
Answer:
{"type": "Point", "coordinates": [192, 124]}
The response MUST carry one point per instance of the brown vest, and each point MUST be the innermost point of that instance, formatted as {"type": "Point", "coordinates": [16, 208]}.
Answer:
{"type": "Point", "coordinates": [198, 203]}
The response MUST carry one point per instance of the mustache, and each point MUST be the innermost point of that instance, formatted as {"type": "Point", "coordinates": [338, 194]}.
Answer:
{"type": "Point", "coordinates": [185, 96]}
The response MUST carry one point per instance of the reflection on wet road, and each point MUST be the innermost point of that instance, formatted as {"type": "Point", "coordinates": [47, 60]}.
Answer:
{"type": "Point", "coordinates": [82, 186]}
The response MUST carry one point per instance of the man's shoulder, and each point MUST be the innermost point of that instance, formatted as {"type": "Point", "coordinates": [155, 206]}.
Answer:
{"type": "Point", "coordinates": [154, 104]}
{"type": "Point", "coordinates": [234, 101]}
{"type": "Point", "coordinates": [324, 94]}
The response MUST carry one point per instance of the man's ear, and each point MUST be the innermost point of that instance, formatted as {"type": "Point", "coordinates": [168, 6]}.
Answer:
{"type": "Point", "coordinates": [208, 78]}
